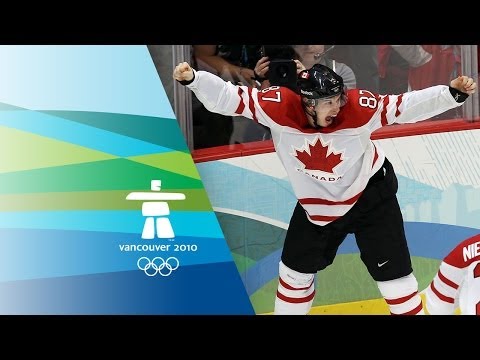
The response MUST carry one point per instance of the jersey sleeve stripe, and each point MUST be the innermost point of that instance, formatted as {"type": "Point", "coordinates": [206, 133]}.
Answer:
{"type": "Point", "coordinates": [383, 116]}
{"type": "Point", "coordinates": [442, 297]}
{"type": "Point", "coordinates": [241, 105]}
{"type": "Point", "coordinates": [399, 102]}
{"type": "Point", "coordinates": [375, 156]}
{"type": "Point", "coordinates": [251, 105]}
{"type": "Point", "coordinates": [447, 281]}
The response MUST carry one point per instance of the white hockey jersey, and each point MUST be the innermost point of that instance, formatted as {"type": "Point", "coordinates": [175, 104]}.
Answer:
{"type": "Point", "coordinates": [330, 167]}
{"type": "Point", "coordinates": [457, 281]}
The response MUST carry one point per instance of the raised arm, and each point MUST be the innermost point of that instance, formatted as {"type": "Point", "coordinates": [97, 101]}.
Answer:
{"type": "Point", "coordinates": [419, 105]}
{"type": "Point", "coordinates": [216, 94]}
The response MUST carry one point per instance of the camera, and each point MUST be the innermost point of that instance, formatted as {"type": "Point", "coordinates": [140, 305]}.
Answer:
{"type": "Point", "coordinates": [282, 69]}
{"type": "Point", "coordinates": [282, 72]}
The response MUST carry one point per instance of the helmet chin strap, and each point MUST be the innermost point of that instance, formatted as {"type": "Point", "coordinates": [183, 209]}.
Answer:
{"type": "Point", "coordinates": [314, 117]}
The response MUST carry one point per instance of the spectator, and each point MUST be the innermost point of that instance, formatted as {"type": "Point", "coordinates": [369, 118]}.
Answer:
{"type": "Point", "coordinates": [442, 62]}
{"type": "Point", "coordinates": [363, 60]}
{"type": "Point", "coordinates": [308, 55]}
{"type": "Point", "coordinates": [392, 70]}
{"type": "Point", "coordinates": [430, 65]}
{"type": "Point", "coordinates": [233, 63]}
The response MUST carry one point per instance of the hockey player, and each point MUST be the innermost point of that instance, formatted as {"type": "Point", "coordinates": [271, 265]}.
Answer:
{"type": "Point", "coordinates": [458, 278]}
{"type": "Point", "coordinates": [341, 178]}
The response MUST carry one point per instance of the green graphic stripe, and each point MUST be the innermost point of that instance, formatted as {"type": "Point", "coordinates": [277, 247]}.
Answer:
{"type": "Point", "coordinates": [25, 151]}
{"type": "Point", "coordinates": [242, 262]}
{"type": "Point", "coordinates": [178, 162]}
{"type": "Point", "coordinates": [346, 280]}
{"type": "Point", "coordinates": [195, 200]}
{"type": "Point", "coordinates": [117, 174]}
{"type": "Point", "coordinates": [160, 131]}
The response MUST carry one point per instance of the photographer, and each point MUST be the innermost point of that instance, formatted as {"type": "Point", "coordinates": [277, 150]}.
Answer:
{"type": "Point", "coordinates": [278, 66]}
{"type": "Point", "coordinates": [305, 56]}
{"type": "Point", "coordinates": [233, 63]}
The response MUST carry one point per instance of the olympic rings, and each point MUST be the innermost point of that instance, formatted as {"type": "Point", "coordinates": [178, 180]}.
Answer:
{"type": "Point", "coordinates": [157, 265]}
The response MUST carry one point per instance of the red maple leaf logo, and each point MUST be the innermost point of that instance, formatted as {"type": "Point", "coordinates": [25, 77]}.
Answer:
{"type": "Point", "coordinates": [317, 158]}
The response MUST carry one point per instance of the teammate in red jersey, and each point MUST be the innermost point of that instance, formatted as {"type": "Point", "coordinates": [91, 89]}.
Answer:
{"type": "Point", "coordinates": [457, 281]}
{"type": "Point", "coordinates": [341, 178]}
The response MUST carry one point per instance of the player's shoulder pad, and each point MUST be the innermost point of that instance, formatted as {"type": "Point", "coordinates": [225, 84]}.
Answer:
{"type": "Point", "coordinates": [277, 94]}
{"type": "Point", "coordinates": [278, 100]}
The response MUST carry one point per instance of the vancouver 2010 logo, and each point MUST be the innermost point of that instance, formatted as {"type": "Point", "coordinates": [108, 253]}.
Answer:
{"type": "Point", "coordinates": [155, 209]}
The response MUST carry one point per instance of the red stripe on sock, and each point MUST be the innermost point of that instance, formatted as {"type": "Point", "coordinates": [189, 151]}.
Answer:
{"type": "Point", "coordinates": [295, 300]}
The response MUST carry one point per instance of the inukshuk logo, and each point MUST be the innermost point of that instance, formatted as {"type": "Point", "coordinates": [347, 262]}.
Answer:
{"type": "Point", "coordinates": [156, 211]}
{"type": "Point", "coordinates": [319, 160]}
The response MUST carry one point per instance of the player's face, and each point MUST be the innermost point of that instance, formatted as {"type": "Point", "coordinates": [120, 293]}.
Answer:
{"type": "Point", "coordinates": [326, 110]}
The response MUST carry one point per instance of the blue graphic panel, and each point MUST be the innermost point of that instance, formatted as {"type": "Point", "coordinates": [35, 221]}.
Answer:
{"type": "Point", "coordinates": [79, 246]}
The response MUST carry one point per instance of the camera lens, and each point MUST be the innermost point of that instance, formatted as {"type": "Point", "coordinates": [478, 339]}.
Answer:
{"type": "Point", "coordinates": [282, 71]}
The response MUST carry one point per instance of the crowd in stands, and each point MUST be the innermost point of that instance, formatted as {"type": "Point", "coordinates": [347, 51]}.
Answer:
{"type": "Point", "coordinates": [381, 69]}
